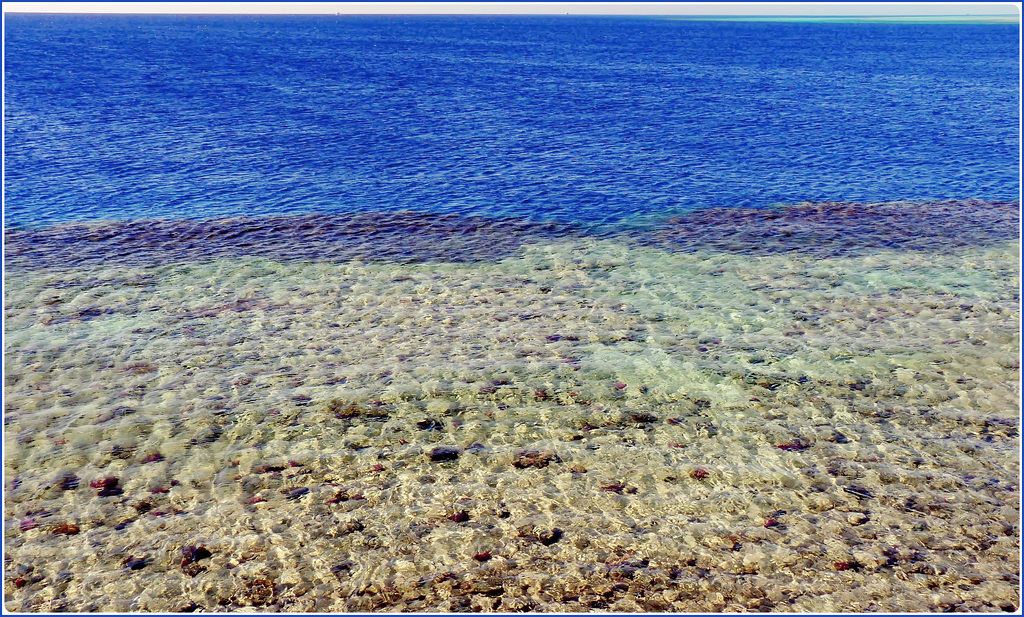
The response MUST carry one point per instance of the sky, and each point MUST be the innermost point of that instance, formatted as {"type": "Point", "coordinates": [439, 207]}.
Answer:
{"type": "Point", "coordinates": [844, 9]}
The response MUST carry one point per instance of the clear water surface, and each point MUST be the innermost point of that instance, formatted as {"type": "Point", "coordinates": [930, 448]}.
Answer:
{"type": "Point", "coordinates": [289, 395]}
{"type": "Point", "coordinates": [593, 120]}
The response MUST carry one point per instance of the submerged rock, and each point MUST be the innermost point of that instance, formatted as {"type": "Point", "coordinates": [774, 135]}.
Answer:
{"type": "Point", "coordinates": [858, 491]}
{"type": "Point", "coordinates": [345, 495]}
{"type": "Point", "coordinates": [430, 424]}
{"type": "Point", "coordinates": [619, 489]}
{"type": "Point", "coordinates": [108, 487]}
{"type": "Point", "coordinates": [444, 453]}
{"type": "Point", "coordinates": [192, 553]}
{"type": "Point", "coordinates": [295, 493]}
{"type": "Point", "coordinates": [257, 592]}
{"type": "Point", "coordinates": [267, 468]}
{"type": "Point", "coordinates": [641, 418]}
{"type": "Point", "coordinates": [67, 481]}
{"type": "Point", "coordinates": [133, 563]}
{"type": "Point", "coordinates": [344, 410]}
{"type": "Point", "coordinates": [794, 446]}
{"type": "Point", "coordinates": [104, 482]}
{"type": "Point", "coordinates": [67, 529]}
{"type": "Point", "coordinates": [547, 538]}
{"type": "Point", "coordinates": [535, 458]}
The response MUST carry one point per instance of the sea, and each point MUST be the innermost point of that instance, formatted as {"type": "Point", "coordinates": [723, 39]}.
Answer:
{"type": "Point", "coordinates": [510, 313]}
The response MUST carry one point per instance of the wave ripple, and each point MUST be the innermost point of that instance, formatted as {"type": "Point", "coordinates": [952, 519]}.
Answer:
{"type": "Point", "coordinates": [836, 229]}
{"type": "Point", "coordinates": [395, 237]}
{"type": "Point", "coordinates": [823, 229]}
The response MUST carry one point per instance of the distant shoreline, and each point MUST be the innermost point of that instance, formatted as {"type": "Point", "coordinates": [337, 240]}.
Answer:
{"type": "Point", "coordinates": [881, 19]}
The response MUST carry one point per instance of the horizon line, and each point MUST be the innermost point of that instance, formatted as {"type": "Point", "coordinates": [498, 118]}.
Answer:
{"type": "Point", "coordinates": [741, 10]}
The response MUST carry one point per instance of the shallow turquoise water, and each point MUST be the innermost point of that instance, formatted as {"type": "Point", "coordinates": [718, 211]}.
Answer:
{"type": "Point", "coordinates": [706, 430]}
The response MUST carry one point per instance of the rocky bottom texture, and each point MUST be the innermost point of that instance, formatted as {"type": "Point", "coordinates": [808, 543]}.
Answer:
{"type": "Point", "coordinates": [583, 425]}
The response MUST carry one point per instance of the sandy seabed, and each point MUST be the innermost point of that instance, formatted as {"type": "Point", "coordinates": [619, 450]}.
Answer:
{"type": "Point", "coordinates": [583, 425]}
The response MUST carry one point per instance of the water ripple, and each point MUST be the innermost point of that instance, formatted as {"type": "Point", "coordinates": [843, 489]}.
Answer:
{"type": "Point", "coordinates": [538, 119]}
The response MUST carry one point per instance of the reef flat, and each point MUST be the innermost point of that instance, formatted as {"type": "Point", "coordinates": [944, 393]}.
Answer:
{"type": "Point", "coordinates": [635, 422]}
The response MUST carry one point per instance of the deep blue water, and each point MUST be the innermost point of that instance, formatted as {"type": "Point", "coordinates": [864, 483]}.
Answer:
{"type": "Point", "coordinates": [590, 120]}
